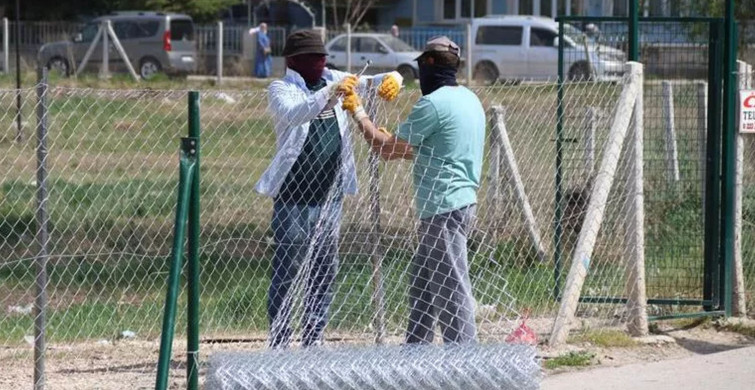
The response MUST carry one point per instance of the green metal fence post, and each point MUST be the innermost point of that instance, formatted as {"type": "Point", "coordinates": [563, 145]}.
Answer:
{"type": "Point", "coordinates": [187, 164]}
{"type": "Point", "coordinates": [192, 269]}
{"type": "Point", "coordinates": [634, 40]}
{"type": "Point", "coordinates": [713, 158]}
{"type": "Point", "coordinates": [729, 159]}
{"type": "Point", "coordinates": [558, 215]}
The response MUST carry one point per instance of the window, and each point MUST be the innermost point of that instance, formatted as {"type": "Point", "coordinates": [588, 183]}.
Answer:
{"type": "Point", "coordinates": [542, 37]}
{"type": "Point", "coordinates": [146, 29]}
{"type": "Point", "coordinates": [396, 44]}
{"type": "Point", "coordinates": [89, 31]}
{"type": "Point", "coordinates": [339, 45]}
{"type": "Point", "coordinates": [546, 8]}
{"type": "Point", "coordinates": [368, 45]}
{"type": "Point", "coordinates": [499, 35]}
{"type": "Point", "coordinates": [135, 29]}
{"type": "Point", "coordinates": [181, 30]}
{"type": "Point", "coordinates": [480, 8]}
{"type": "Point", "coordinates": [449, 9]}
{"type": "Point", "coordinates": [461, 9]}
{"type": "Point", "coordinates": [526, 7]}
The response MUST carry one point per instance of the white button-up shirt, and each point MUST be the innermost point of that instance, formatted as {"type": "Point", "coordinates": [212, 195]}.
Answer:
{"type": "Point", "coordinates": [292, 106]}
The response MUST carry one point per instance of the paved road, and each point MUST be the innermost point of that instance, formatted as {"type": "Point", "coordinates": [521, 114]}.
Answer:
{"type": "Point", "coordinates": [730, 370]}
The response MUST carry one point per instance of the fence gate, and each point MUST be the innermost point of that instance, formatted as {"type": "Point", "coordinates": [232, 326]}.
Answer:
{"type": "Point", "coordinates": [682, 157]}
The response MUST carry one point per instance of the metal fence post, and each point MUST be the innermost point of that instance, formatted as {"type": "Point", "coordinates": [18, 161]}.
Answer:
{"type": "Point", "coordinates": [219, 53]}
{"type": "Point", "coordinates": [712, 170]}
{"type": "Point", "coordinates": [192, 268]}
{"type": "Point", "coordinates": [634, 38]}
{"type": "Point", "coordinates": [43, 238]}
{"type": "Point", "coordinates": [729, 158]}
{"type": "Point", "coordinates": [187, 167]}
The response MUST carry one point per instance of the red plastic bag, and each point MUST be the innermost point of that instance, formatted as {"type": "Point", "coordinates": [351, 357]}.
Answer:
{"type": "Point", "coordinates": [523, 334]}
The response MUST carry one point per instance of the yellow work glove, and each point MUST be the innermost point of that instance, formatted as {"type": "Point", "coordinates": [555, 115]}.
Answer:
{"type": "Point", "coordinates": [385, 131]}
{"type": "Point", "coordinates": [390, 86]}
{"type": "Point", "coordinates": [347, 86]}
{"type": "Point", "coordinates": [353, 104]}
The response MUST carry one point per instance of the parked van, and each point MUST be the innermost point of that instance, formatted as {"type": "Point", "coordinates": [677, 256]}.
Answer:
{"type": "Point", "coordinates": [153, 41]}
{"type": "Point", "coordinates": [526, 47]}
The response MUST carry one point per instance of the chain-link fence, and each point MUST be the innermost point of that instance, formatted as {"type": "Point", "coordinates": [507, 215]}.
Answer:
{"type": "Point", "coordinates": [744, 287]}
{"type": "Point", "coordinates": [112, 178]}
{"type": "Point", "coordinates": [111, 159]}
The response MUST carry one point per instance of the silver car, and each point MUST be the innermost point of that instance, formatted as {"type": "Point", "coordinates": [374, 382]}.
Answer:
{"type": "Point", "coordinates": [153, 41]}
{"type": "Point", "coordinates": [386, 52]}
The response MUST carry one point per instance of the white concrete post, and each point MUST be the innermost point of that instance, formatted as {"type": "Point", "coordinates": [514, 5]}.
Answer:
{"type": "Point", "coordinates": [739, 304]}
{"type": "Point", "coordinates": [511, 170]}
{"type": "Point", "coordinates": [105, 66]}
{"type": "Point", "coordinates": [702, 129]}
{"type": "Point", "coordinates": [219, 54]}
{"type": "Point", "coordinates": [492, 195]}
{"type": "Point", "coordinates": [672, 154]}
{"type": "Point", "coordinates": [469, 54]}
{"type": "Point", "coordinates": [348, 47]}
{"type": "Point", "coordinates": [100, 32]}
{"type": "Point", "coordinates": [6, 46]}
{"type": "Point", "coordinates": [635, 244]}
{"type": "Point", "coordinates": [591, 123]}
{"type": "Point", "coordinates": [596, 208]}
{"type": "Point", "coordinates": [121, 51]}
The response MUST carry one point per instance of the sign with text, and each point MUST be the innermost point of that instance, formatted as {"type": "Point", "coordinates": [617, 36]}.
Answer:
{"type": "Point", "coordinates": [747, 111]}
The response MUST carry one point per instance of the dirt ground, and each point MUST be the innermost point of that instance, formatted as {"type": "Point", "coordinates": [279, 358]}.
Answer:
{"type": "Point", "coordinates": [119, 364]}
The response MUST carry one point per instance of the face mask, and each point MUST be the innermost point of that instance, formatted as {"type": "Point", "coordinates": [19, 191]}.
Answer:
{"type": "Point", "coordinates": [432, 77]}
{"type": "Point", "coordinates": [309, 66]}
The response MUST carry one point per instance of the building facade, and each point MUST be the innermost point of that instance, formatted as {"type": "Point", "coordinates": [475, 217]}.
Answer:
{"type": "Point", "coordinates": [434, 12]}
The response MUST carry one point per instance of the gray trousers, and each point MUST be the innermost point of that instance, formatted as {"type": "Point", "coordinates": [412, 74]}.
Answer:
{"type": "Point", "coordinates": [440, 292]}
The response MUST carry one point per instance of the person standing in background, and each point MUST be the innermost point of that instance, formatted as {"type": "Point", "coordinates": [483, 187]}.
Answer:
{"type": "Point", "coordinates": [394, 31]}
{"type": "Point", "coordinates": [263, 61]}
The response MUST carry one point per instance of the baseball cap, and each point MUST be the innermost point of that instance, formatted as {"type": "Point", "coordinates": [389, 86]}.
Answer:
{"type": "Point", "coordinates": [441, 44]}
{"type": "Point", "coordinates": [304, 42]}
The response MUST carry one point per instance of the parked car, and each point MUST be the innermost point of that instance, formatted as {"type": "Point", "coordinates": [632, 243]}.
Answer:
{"type": "Point", "coordinates": [526, 47]}
{"type": "Point", "coordinates": [153, 41]}
{"type": "Point", "coordinates": [386, 52]}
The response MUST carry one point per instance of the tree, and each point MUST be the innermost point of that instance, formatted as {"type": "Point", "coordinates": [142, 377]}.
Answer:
{"type": "Point", "coordinates": [744, 12]}
{"type": "Point", "coordinates": [353, 11]}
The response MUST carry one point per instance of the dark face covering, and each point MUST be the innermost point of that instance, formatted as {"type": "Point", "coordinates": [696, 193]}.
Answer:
{"type": "Point", "coordinates": [309, 66]}
{"type": "Point", "coordinates": [432, 77]}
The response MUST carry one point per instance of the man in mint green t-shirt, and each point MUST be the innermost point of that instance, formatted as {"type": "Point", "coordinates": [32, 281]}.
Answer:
{"type": "Point", "coordinates": [444, 136]}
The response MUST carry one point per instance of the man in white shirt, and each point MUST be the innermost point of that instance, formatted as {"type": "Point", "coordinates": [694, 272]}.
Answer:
{"type": "Point", "coordinates": [312, 168]}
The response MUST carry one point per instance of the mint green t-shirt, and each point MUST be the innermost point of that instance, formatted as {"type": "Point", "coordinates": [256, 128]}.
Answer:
{"type": "Point", "coordinates": [447, 130]}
